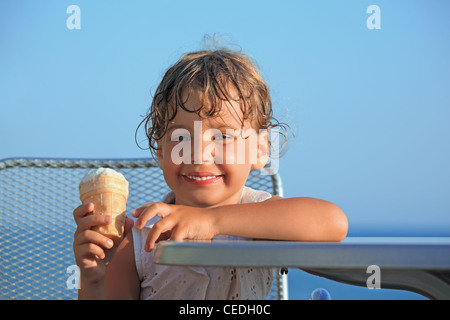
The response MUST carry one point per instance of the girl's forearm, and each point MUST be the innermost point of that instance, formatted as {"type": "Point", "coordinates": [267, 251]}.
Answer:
{"type": "Point", "coordinates": [89, 291]}
{"type": "Point", "coordinates": [296, 219]}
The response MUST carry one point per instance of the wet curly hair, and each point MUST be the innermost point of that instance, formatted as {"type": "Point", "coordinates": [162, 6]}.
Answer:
{"type": "Point", "coordinates": [214, 74]}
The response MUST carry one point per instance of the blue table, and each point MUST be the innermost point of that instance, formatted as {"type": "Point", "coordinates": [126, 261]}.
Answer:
{"type": "Point", "coordinates": [419, 264]}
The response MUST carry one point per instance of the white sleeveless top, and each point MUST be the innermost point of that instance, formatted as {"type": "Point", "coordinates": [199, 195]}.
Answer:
{"type": "Point", "coordinates": [200, 283]}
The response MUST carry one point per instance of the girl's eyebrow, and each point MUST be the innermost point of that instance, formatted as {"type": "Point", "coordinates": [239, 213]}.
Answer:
{"type": "Point", "coordinates": [175, 126]}
{"type": "Point", "coordinates": [226, 126]}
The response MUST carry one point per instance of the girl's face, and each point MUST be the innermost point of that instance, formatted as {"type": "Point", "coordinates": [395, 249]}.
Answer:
{"type": "Point", "coordinates": [206, 161]}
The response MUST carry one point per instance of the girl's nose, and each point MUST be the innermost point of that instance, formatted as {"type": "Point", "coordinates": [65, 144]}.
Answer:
{"type": "Point", "coordinates": [203, 150]}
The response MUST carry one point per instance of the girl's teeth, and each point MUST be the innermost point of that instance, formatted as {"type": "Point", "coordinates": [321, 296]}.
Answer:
{"type": "Point", "coordinates": [201, 178]}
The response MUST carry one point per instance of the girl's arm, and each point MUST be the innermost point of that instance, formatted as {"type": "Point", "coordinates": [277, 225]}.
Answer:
{"type": "Point", "coordinates": [296, 219]}
{"type": "Point", "coordinates": [304, 219]}
{"type": "Point", "coordinates": [105, 271]}
{"type": "Point", "coordinates": [121, 279]}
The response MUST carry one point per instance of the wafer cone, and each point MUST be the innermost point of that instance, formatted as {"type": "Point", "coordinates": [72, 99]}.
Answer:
{"type": "Point", "coordinates": [108, 190]}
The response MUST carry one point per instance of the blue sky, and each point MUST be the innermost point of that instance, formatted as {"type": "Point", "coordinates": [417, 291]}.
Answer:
{"type": "Point", "coordinates": [370, 108]}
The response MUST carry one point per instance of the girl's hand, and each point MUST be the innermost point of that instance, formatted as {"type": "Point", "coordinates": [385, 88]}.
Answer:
{"type": "Point", "coordinates": [92, 250]}
{"type": "Point", "coordinates": [178, 223]}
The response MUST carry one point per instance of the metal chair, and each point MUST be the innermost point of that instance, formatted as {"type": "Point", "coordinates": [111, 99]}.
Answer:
{"type": "Point", "coordinates": [37, 197]}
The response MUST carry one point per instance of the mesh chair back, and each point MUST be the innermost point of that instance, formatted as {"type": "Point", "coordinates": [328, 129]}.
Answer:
{"type": "Point", "coordinates": [37, 197]}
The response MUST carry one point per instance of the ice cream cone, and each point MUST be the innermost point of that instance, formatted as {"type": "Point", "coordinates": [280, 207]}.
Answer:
{"type": "Point", "coordinates": [108, 190]}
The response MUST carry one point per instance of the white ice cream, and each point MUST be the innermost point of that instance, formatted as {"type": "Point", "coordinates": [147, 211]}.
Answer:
{"type": "Point", "coordinates": [94, 172]}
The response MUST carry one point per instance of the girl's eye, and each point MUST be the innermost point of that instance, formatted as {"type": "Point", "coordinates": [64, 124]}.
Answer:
{"type": "Point", "coordinates": [223, 137]}
{"type": "Point", "coordinates": [180, 135]}
{"type": "Point", "coordinates": [181, 138]}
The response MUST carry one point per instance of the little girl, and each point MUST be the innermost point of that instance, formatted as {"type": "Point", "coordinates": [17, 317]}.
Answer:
{"type": "Point", "coordinates": [208, 127]}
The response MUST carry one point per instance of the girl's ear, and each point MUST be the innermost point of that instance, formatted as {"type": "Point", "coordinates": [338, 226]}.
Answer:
{"type": "Point", "coordinates": [263, 150]}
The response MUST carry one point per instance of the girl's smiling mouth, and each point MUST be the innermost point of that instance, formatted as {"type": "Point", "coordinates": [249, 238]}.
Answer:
{"type": "Point", "coordinates": [201, 178]}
